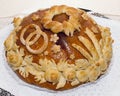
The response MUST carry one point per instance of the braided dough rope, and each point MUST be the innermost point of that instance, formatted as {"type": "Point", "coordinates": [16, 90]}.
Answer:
{"type": "Point", "coordinates": [37, 33]}
{"type": "Point", "coordinates": [67, 26]}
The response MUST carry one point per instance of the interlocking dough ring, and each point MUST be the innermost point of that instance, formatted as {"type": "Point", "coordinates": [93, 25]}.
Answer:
{"type": "Point", "coordinates": [37, 33]}
{"type": "Point", "coordinates": [68, 27]}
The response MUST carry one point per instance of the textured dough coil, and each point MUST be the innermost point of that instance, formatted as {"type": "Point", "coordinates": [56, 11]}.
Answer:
{"type": "Point", "coordinates": [37, 34]}
{"type": "Point", "coordinates": [67, 26]}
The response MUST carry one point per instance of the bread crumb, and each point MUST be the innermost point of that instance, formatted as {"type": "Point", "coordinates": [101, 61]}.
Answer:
{"type": "Point", "coordinates": [72, 56]}
{"type": "Point", "coordinates": [17, 21]}
{"type": "Point", "coordinates": [35, 17]}
{"type": "Point", "coordinates": [54, 38]}
{"type": "Point", "coordinates": [85, 16]}
{"type": "Point", "coordinates": [56, 48]}
{"type": "Point", "coordinates": [46, 53]}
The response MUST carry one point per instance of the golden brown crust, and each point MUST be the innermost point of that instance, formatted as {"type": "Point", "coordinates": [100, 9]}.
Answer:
{"type": "Point", "coordinates": [54, 59]}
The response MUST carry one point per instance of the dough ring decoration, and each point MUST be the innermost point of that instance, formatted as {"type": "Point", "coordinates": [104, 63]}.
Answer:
{"type": "Point", "coordinates": [38, 33]}
{"type": "Point", "coordinates": [58, 48]}
{"type": "Point", "coordinates": [68, 27]}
